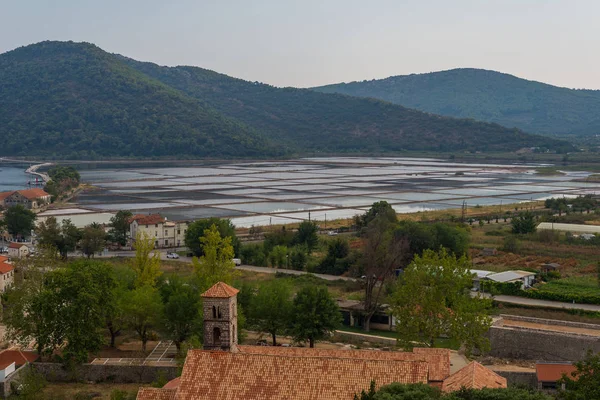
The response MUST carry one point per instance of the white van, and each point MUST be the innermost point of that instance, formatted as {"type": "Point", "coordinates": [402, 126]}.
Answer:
{"type": "Point", "coordinates": [237, 261]}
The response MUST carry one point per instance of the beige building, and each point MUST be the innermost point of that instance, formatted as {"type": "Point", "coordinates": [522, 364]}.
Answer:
{"type": "Point", "coordinates": [165, 233]}
{"type": "Point", "coordinates": [29, 198]}
{"type": "Point", "coordinates": [17, 250]}
{"type": "Point", "coordinates": [7, 274]}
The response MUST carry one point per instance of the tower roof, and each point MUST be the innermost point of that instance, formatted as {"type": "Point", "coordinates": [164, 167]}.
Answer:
{"type": "Point", "coordinates": [221, 290]}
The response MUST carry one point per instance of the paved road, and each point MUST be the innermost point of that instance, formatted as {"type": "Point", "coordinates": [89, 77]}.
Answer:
{"type": "Point", "coordinates": [266, 270]}
{"type": "Point", "coordinates": [546, 303]}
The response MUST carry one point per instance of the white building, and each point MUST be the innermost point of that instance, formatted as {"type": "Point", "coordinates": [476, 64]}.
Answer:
{"type": "Point", "coordinates": [525, 277]}
{"type": "Point", "coordinates": [164, 233]}
{"type": "Point", "coordinates": [17, 250]}
{"type": "Point", "coordinates": [7, 274]}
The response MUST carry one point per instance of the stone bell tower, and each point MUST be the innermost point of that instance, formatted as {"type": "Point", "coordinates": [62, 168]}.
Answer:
{"type": "Point", "coordinates": [220, 317]}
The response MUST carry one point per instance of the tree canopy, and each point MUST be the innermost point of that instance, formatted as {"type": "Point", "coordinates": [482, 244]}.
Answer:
{"type": "Point", "coordinates": [316, 315]}
{"type": "Point", "coordinates": [432, 299]}
{"type": "Point", "coordinates": [19, 221]}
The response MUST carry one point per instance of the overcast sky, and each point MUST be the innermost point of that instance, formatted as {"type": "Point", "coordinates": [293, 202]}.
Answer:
{"type": "Point", "coordinates": [314, 42]}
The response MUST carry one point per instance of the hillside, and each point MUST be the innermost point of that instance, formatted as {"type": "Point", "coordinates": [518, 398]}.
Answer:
{"type": "Point", "coordinates": [75, 100]}
{"type": "Point", "coordinates": [65, 99]}
{"type": "Point", "coordinates": [313, 121]}
{"type": "Point", "coordinates": [487, 96]}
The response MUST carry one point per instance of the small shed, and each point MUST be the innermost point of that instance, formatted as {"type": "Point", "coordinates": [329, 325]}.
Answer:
{"type": "Point", "coordinates": [526, 278]}
{"type": "Point", "coordinates": [6, 369]}
{"type": "Point", "coordinates": [478, 276]}
{"type": "Point", "coordinates": [549, 267]}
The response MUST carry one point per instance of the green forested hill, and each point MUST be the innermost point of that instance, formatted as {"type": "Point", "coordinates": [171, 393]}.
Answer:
{"type": "Point", "coordinates": [68, 99]}
{"type": "Point", "coordinates": [487, 96]}
{"type": "Point", "coordinates": [75, 100]}
{"type": "Point", "coordinates": [314, 121]}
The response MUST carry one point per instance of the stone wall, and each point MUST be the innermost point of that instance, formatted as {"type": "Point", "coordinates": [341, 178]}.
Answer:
{"type": "Point", "coordinates": [220, 314]}
{"type": "Point", "coordinates": [555, 322]}
{"type": "Point", "coordinates": [519, 379]}
{"type": "Point", "coordinates": [54, 372]}
{"type": "Point", "coordinates": [540, 345]}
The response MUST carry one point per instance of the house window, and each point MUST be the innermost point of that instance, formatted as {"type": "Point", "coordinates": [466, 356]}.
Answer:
{"type": "Point", "coordinates": [146, 226]}
{"type": "Point", "coordinates": [214, 310]}
{"type": "Point", "coordinates": [178, 243]}
{"type": "Point", "coordinates": [156, 225]}
{"type": "Point", "coordinates": [166, 242]}
{"type": "Point", "coordinates": [219, 312]}
{"type": "Point", "coordinates": [166, 232]}
{"type": "Point", "coordinates": [156, 233]}
{"type": "Point", "coordinates": [179, 231]}
{"type": "Point", "coordinates": [156, 244]}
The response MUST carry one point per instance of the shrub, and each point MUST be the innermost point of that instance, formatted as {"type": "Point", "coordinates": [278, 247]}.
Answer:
{"type": "Point", "coordinates": [511, 244]}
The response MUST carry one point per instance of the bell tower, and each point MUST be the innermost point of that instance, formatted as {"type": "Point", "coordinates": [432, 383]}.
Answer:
{"type": "Point", "coordinates": [220, 317]}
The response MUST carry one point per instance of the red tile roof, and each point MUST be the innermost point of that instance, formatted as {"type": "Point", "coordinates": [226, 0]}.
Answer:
{"type": "Point", "coordinates": [438, 360]}
{"type": "Point", "coordinates": [4, 195]}
{"type": "Point", "coordinates": [221, 290]}
{"type": "Point", "coordinates": [156, 394]}
{"type": "Point", "coordinates": [15, 245]}
{"type": "Point", "coordinates": [5, 267]}
{"type": "Point", "coordinates": [552, 372]}
{"type": "Point", "coordinates": [2, 258]}
{"type": "Point", "coordinates": [172, 384]}
{"type": "Point", "coordinates": [152, 219]}
{"type": "Point", "coordinates": [217, 375]}
{"type": "Point", "coordinates": [33, 194]}
{"type": "Point", "coordinates": [473, 376]}
{"type": "Point", "coordinates": [18, 357]}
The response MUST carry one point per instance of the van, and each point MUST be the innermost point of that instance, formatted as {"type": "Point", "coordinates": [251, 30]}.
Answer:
{"type": "Point", "coordinates": [237, 261]}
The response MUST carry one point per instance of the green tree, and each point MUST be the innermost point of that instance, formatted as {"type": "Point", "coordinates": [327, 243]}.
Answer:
{"type": "Point", "coordinates": [524, 223]}
{"type": "Point", "coordinates": [196, 230]}
{"type": "Point", "coordinates": [143, 312]}
{"type": "Point", "coordinates": [64, 237]}
{"type": "Point", "coordinates": [114, 310]}
{"type": "Point", "coordinates": [383, 252]}
{"type": "Point", "coordinates": [19, 221]}
{"type": "Point", "coordinates": [64, 307]}
{"type": "Point", "coordinates": [432, 299]}
{"type": "Point", "coordinates": [119, 227]}
{"type": "Point", "coordinates": [278, 257]}
{"type": "Point", "coordinates": [271, 308]}
{"type": "Point", "coordinates": [380, 208]}
{"type": "Point", "coordinates": [316, 315]}
{"type": "Point", "coordinates": [182, 317]}
{"type": "Point", "coordinates": [306, 236]}
{"type": "Point", "coordinates": [93, 239]}
{"type": "Point", "coordinates": [298, 259]}
{"type": "Point", "coordinates": [337, 250]}
{"type": "Point", "coordinates": [216, 265]}
{"type": "Point", "coordinates": [584, 383]}
{"type": "Point", "coordinates": [82, 291]}
{"type": "Point", "coordinates": [146, 263]}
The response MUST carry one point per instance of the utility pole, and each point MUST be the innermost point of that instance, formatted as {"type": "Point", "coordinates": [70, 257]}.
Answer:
{"type": "Point", "coordinates": [309, 216]}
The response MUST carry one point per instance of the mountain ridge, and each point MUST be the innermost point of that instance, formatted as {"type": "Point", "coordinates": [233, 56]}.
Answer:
{"type": "Point", "coordinates": [67, 99]}
{"type": "Point", "coordinates": [489, 96]}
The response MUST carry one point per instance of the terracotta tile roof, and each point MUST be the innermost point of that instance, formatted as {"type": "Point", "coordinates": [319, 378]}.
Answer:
{"type": "Point", "coordinates": [18, 357]}
{"type": "Point", "coordinates": [136, 217]}
{"type": "Point", "coordinates": [3, 258]}
{"type": "Point", "coordinates": [5, 267]}
{"type": "Point", "coordinates": [150, 219]}
{"type": "Point", "coordinates": [217, 375]}
{"type": "Point", "coordinates": [15, 245]}
{"type": "Point", "coordinates": [172, 384]}
{"type": "Point", "coordinates": [156, 394]}
{"type": "Point", "coordinates": [552, 372]}
{"type": "Point", "coordinates": [438, 362]}
{"type": "Point", "coordinates": [473, 376]}
{"type": "Point", "coordinates": [4, 195]}
{"type": "Point", "coordinates": [33, 194]}
{"type": "Point", "coordinates": [221, 290]}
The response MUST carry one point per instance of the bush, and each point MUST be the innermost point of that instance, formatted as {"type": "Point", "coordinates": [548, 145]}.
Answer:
{"type": "Point", "coordinates": [548, 236]}
{"type": "Point", "coordinates": [511, 244]}
{"type": "Point", "coordinates": [122, 395]}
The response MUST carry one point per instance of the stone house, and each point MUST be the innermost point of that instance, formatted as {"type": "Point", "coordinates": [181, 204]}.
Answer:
{"type": "Point", "coordinates": [164, 233]}
{"type": "Point", "coordinates": [7, 274]}
{"type": "Point", "coordinates": [17, 250]}
{"type": "Point", "coordinates": [225, 370]}
{"type": "Point", "coordinates": [28, 198]}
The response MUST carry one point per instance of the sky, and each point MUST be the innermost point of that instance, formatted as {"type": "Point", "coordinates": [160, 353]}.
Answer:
{"type": "Point", "coordinates": [315, 42]}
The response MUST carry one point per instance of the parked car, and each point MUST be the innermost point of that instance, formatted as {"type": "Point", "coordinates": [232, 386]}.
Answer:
{"type": "Point", "coordinates": [172, 255]}
{"type": "Point", "coordinates": [332, 233]}
{"type": "Point", "coordinates": [237, 261]}
{"type": "Point", "coordinates": [3, 250]}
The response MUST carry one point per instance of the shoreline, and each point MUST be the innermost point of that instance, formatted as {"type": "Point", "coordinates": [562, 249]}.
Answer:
{"type": "Point", "coordinates": [33, 171]}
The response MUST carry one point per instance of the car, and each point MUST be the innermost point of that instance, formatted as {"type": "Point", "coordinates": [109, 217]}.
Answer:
{"type": "Point", "coordinates": [237, 261]}
{"type": "Point", "coordinates": [332, 233]}
{"type": "Point", "coordinates": [3, 250]}
{"type": "Point", "coordinates": [172, 255]}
